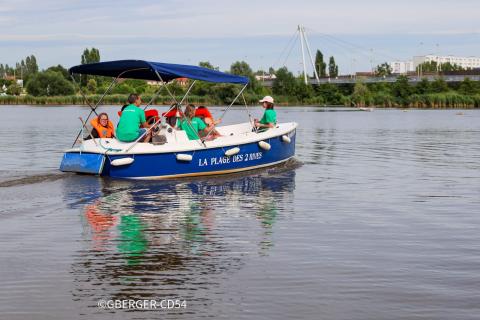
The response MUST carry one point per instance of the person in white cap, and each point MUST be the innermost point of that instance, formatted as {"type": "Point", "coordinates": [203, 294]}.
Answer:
{"type": "Point", "coordinates": [269, 119]}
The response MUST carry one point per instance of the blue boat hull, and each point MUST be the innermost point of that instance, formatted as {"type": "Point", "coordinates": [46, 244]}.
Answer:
{"type": "Point", "coordinates": [204, 162]}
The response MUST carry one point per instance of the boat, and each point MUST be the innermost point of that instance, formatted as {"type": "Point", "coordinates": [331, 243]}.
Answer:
{"type": "Point", "coordinates": [239, 148]}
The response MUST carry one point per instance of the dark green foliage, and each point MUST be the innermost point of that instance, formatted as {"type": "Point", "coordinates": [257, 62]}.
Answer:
{"type": "Point", "coordinates": [401, 90]}
{"type": "Point", "coordinates": [303, 92]}
{"type": "Point", "coordinates": [207, 64]}
{"type": "Point", "coordinates": [468, 87]}
{"type": "Point", "coordinates": [332, 68]}
{"type": "Point", "coordinates": [361, 95]}
{"type": "Point", "coordinates": [225, 92]}
{"type": "Point", "coordinates": [450, 67]}
{"type": "Point", "coordinates": [23, 69]}
{"type": "Point", "coordinates": [285, 83]}
{"type": "Point", "coordinates": [438, 86]}
{"type": "Point", "coordinates": [433, 66]}
{"type": "Point", "coordinates": [5, 82]}
{"type": "Point", "coordinates": [423, 87]}
{"type": "Point", "coordinates": [62, 70]}
{"type": "Point", "coordinates": [383, 70]}
{"type": "Point", "coordinates": [14, 89]}
{"type": "Point", "coordinates": [122, 88]}
{"type": "Point", "coordinates": [139, 86]}
{"type": "Point", "coordinates": [49, 83]}
{"type": "Point", "coordinates": [202, 88]}
{"type": "Point", "coordinates": [330, 94]}
{"type": "Point", "coordinates": [320, 65]}
{"type": "Point", "coordinates": [242, 68]}
{"type": "Point", "coordinates": [89, 56]}
{"type": "Point", "coordinates": [92, 86]}
{"type": "Point", "coordinates": [429, 66]}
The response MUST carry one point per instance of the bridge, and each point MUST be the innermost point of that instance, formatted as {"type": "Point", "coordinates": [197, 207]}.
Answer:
{"type": "Point", "coordinates": [365, 77]}
{"type": "Point", "coordinates": [352, 79]}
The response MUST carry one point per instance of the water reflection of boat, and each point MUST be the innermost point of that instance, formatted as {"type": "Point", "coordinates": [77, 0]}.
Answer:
{"type": "Point", "coordinates": [145, 236]}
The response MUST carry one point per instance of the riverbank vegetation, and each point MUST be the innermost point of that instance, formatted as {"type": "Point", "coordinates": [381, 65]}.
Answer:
{"type": "Point", "coordinates": [54, 86]}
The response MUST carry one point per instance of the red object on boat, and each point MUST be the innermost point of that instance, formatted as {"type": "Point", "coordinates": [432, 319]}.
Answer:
{"type": "Point", "coordinates": [172, 113]}
{"type": "Point", "coordinates": [148, 114]}
{"type": "Point", "coordinates": [203, 113]}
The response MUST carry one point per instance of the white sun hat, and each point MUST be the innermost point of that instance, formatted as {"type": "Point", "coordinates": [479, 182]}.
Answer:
{"type": "Point", "coordinates": [267, 99]}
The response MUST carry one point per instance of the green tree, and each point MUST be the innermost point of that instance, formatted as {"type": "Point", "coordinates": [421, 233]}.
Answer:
{"type": "Point", "coordinates": [23, 69]}
{"type": "Point", "coordinates": [383, 70]}
{"type": "Point", "coordinates": [49, 83]}
{"type": "Point", "coordinates": [439, 85]}
{"type": "Point", "coordinates": [303, 91]}
{"type": "Point", "coordinates": [224, 92]}
{"type": "Point", "coordinates": [14, 89]}
{"type": "Point", "coordinates": [207, 64]}
{"type": "Point", "coordinates": [285, 83]}
{"type": "Point", "coordinates": [468, 87]}
{"type": "Point", "coordinates": [31, 64]}
{"type": "Point", "coordinates": [428, 66]}
{"type": "Point", "coordinates": [320, 65]}
{"type": "Point", "coordinates": [242, 68]}
{"type": "Point", "coordinates": [92, 86]}
{"type": "Point", "coordinates": [122, 88]}
{"type": "Point", "coordinates": [332, 68]}
{"type": "Point", "coordinates": [89, 56]}
{"type": "Point", "coordinates": [330, 93]}
{"type": "Point", "coordinates": [450, 67]}
{"type": "Point", "coordinates": [361, 95]}
{"type": "Point", "coordinates": [402, 90]}
{"type": "Point", "coordinates": [8, 71]}
{"type": "Point", "coordinates": [59, 68]}
{"type": "Point", "coordinates": [423, 87]}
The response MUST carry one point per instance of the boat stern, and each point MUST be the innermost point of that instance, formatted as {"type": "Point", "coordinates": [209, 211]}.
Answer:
{"type": "Point", "coordinates": [82, 162]}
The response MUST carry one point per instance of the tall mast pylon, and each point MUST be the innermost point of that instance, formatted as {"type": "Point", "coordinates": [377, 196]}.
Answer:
{"type": "Point", "coordinates": [300, 31]}
{"type": "Point", "coordinates": [303, 38]}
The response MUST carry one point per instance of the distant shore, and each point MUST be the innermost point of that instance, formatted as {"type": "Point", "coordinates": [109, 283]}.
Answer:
{"type": "Point", "coordinates": [432, 101]}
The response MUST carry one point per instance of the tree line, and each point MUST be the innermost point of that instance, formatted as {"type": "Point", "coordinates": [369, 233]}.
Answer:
{"type": "Point", "coordinates": [55, 85]}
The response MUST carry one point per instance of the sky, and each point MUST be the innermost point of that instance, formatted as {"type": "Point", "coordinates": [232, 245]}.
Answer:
{"type": "Point", "coordinates": [359, 34]}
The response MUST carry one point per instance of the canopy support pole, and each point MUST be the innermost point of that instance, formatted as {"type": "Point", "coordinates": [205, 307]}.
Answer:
{"type": "Point", "coordinates": [158, 92]}
{"type": "Point", "coordinates": [178, 104]}
{"type": "Point", "coordinates": [224, 112]}
{"type": "Point", "coordinates": [93, 109]}
{"type": "Point", "coordinates": [154, 97]}
{"type": "Point", "coordinates": [82, 93]}
{"type": "Point", "coordinates": [249, 114]}
{"type": "Point", "coordinates": [101, 98]}
{"type": "Point", "coordinates": [188, 91]}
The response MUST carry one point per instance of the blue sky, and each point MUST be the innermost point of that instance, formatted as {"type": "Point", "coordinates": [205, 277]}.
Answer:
{"type": "Point", "coordinates": [358, 33]}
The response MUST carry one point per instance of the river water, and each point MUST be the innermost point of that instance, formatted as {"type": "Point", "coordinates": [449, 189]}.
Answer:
{"type": "Point", "coordinates": [378, 217]}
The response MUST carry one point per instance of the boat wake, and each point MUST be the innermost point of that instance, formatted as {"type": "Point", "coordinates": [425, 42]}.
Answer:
{"type": "Point", "coordinates": [37, 178]}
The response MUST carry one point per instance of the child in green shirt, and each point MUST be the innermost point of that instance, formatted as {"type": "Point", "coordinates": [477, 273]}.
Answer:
{"type": "Point", "coordinates": [269, 119]}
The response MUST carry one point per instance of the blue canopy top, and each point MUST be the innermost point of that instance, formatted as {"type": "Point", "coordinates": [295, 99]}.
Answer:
{"type": "Point", "coordinates": [145, 70]}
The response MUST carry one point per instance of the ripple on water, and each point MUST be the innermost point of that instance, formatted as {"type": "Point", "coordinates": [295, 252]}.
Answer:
{"type": "Point", "coordinates": [375, 218]}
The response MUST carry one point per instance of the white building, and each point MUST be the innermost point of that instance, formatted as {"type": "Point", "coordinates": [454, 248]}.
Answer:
{"type": "Point", "coordinates": [401, 67]}
{"type": "Point", "coordinates": [464, 62]}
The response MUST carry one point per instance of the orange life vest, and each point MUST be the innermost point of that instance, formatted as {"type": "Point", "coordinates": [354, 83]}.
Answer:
{"type": "Point", "coordinates": [103, 132]}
